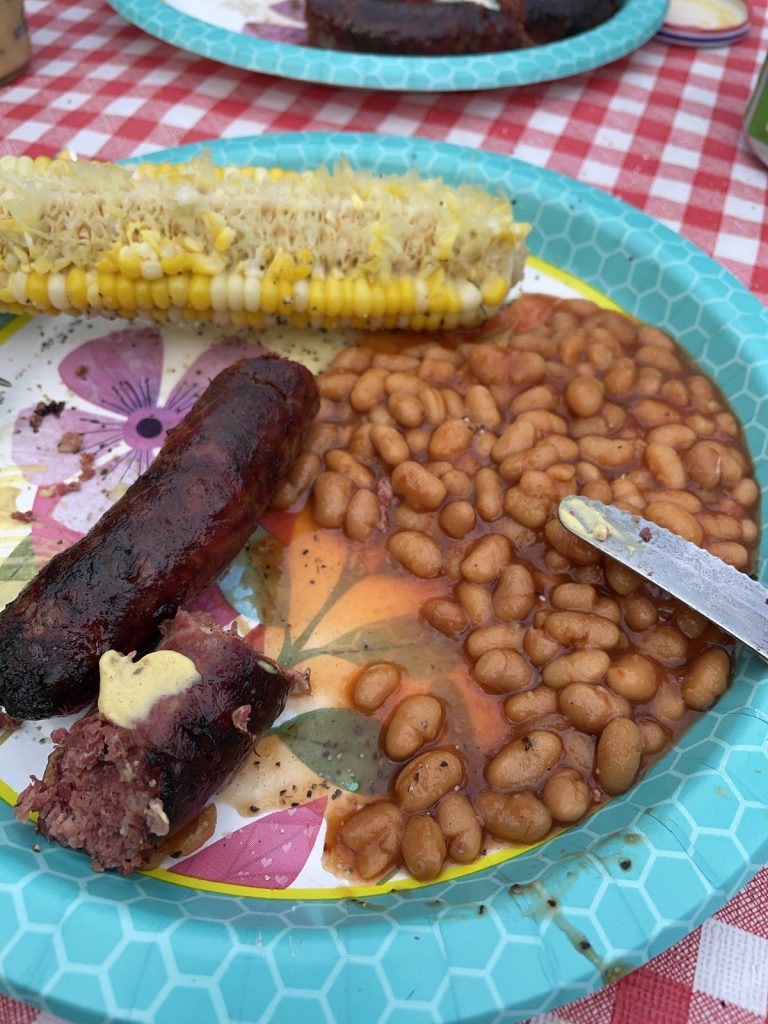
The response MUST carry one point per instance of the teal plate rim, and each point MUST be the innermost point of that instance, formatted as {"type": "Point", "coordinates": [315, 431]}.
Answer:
{"type": "Point", "coordinates": [634, 24]}
{"type": "Point", "coordinates": [516, 939]}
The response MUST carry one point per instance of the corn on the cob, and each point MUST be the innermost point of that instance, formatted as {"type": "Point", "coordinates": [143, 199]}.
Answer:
{"type": "Point", "coordinates": [252, 245]}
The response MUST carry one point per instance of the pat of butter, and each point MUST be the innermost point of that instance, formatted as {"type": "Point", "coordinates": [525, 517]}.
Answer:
{"type": "Point", "coordinates": [128, 689]}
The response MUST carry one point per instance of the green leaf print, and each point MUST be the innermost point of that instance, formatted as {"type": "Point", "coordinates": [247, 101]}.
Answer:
{"type": "Point", "coordinates": [342, 746]}
{"type": "Point", "coordinates": [21, 563]}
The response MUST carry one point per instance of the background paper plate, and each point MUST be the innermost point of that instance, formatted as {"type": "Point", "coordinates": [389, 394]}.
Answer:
{"type": "Point", "coordinates": [207, 27]}
{"type": "Point", "coordinates": [513, 940]}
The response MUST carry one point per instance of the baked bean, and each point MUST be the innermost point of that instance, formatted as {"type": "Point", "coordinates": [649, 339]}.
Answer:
{"type": "Point", "coordinates": [702, 462]}
{"type": "Point", "coordinates": [622, 579]}
{"type": "Point", "coordinates": [566, 795]}
{"type": "Point", "coordinates": [675, 518]}
{"type": "Point", "coordinates": [661, 359]}
{"type": "Point", "coordinates": [599, 490]}
{"type": "Point", "coordinates": [685, 499]}
{"type": "Point", "coordinates": [395, 362]}
{"type": "Point", "coordinates": [356, 358]}
{"type": "Point", "coordinates": [540, 646]}
{"type": "Point", "coordinates": [475, 599]}
{"type": "Point", "coordinates": [703, 425]}
{"type": "Point", "coordinates": [423, 847]}
{"type": "Point", "coordinates": [502, 670]}
{"type": "Point", "coordinates": [406, 518]}
{"type": "Point", "coordinates": [675, 435]}
{"type": "Point", "coordinates": [458, 821]}
{"type": "Point", "coordinates": [416, 552]}
{"type": "Point", "coordinates": [664, 643]}
{"type": "Point", "coordinates": [368, 389]}
{"type": "Point", "coordinates": [652, 735]}
{"type": "Point", "coordinates": [639, 612]}
{"type": "Point", "coordinates": [539, 458]}
{"type": "Point", "coordinates": [676, 393]}
{"type": "Point", "coordinates": [374, 834]}
{"type": "Point", "coordinates": [427, 778]}
{"type": "Point", "coordinates": [542, 396]}
{"type": "Point", "coordinates": [304, 470]}
{"type": "Point", "coordinates": [574, 597]}
{"type": "Point", "coordinates": [481, 406]}
{"type": "Point", "coordinates": [617, 760]}
{"type": "Point", "coordinates": [749, 531]}
{"type": "Point", "coordinates": [524, 761]}
{"type": "Point", "coordinates": [336, 384]}
{"type": "Point", "coordinates": [482, 444]}
{"type": "Point", "coordinates": [529, 510]}
{"type": "Point", "coordinates": [589, 706]}
{"type": "Point", "coordinates": [454, 403]}
{"type": "Point", "coordinates": [582, 629]}
{"type": "Point", "coordinates": [362, 516]}
{"type": "Point", "coordinates": [417, 720]}
{"type": "Point", "coordinates": [648, 384]}
{"type": "Point", "coordinates": [608, 608]}
{"type": "Point", "coordinates": [515, 594]}
{"type": "Point", "coordinates": [488, 638]}
{"type": "Point", "coordinates": [608, 453]}
{"type": "Point", "coordinates": [545, 422]}
{"type": "Point", "coordinates": [444, 615]}
{"type": "Point", "coordinates": [690, 623]}
{"type": "Point", "coordinates": [486, 558]}
{"type": "Point", "coordinates": [321, 437]}
{"type": "Point", "coordinates": [514, 817]}
{"type": "Point", "coordinates": [584, 396]}
{"type": "Point", "coordinates": [423, 491]}
{"type": "Point", "coordinates": [571, 547]}
{"type": "Point", "coordinates": [531, 704]}
{"type": "Point", "coordinates": [518, 437]}
{"type": "Point", "coordinates": [377, 681]}
{"type": "Point", "coordinates": [406, 409]}
{"type": "Point", "coordinates": [720, 526]}
{"type": "Point", "coordinates": [706, 679]}
{"type": "Point", "coordinates": [633, 676]}
{"type": "Point", "coordinates": [587, 666]}
{"type": "Point", "coordinates": [457, 483]}
{"type": "Point", "coordinates": [390, 444]}
{"type": "Point", "coordinates": [730, 552]}
{"type": "Point", "coordinates": [746, 492]}
{"type": "Point", "coordinates": [488, 496]}
{"type": "Point", "coordinates": [341, 461]}
{"type": "Point", "coordinates": [449, 438]}
{"type": "Point", "coordinates": [417, 440]}
{"type": "Point", "coordinates": [666, 465]}
{"type": "Point", "coordinates": [331, 496]}
{"type": "Point", "coordinates": [668, 703]}
{"type": "Point", "coordinates": [360, 444]}
{"type": "Point", "coordinates": [457, 518]}
{"type": "Point", "coordinates": [620, 377]}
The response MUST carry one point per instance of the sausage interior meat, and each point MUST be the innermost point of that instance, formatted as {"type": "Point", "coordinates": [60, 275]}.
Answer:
{"type": "Point", "coordinates": [117, 792]}
{"type": "Point", "coordinates": [164, 541]}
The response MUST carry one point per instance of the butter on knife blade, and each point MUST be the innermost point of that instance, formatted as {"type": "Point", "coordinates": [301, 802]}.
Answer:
{"type": "Point", "coordinates": [727, 597]}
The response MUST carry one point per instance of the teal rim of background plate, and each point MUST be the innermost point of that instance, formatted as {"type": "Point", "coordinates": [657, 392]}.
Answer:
{"type": "Point", "coordinates": [634, 24]}
{"type": "Point", "coordinates": [507, 942]}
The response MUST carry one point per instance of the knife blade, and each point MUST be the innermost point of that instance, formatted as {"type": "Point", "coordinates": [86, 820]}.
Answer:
{"type": "Point", "coordinates": [729, 598]}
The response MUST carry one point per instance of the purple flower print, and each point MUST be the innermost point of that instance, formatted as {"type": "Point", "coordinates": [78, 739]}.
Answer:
{"type": "Point", "coordinates": [119, 424]}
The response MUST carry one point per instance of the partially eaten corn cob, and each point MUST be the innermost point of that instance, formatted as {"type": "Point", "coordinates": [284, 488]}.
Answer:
{"type": "Point", "coordinates": [252, 245]}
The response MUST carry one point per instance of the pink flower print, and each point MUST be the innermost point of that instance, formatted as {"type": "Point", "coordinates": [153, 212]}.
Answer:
{"type": "Point", "coordinates": [283, 23]}
{"type": "Point", "coordinates": [120, 422]}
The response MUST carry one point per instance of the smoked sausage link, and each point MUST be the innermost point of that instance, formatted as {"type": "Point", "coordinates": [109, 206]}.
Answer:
{"type": "Point", "coordinates": [120, 793]}
{"type": "Point", "coordinates": [172, 532]}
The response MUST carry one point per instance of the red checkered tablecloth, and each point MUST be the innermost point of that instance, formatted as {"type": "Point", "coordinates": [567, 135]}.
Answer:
{"type": "Point", "coordinates": [660, 129]}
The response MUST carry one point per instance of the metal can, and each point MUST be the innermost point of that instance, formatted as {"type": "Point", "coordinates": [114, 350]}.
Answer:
{"type": "Point", "coordinates": [756, 116]}
{"type": "Point", "coordinates": [15, 47]}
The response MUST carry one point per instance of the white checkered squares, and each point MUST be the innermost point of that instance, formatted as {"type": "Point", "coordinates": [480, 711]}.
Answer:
{"type": "Point", "coordinates": [733, 966]}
